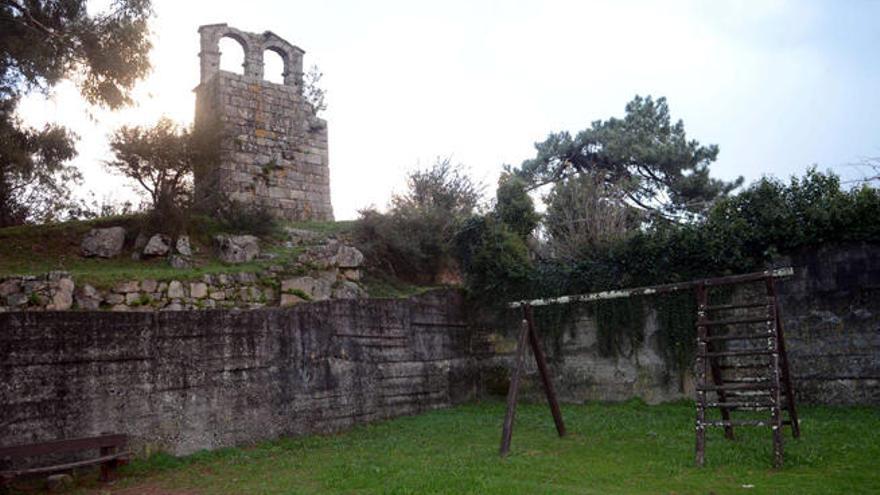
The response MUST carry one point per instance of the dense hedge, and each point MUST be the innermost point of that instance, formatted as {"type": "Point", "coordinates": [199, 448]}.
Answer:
{"type": "Point", "coordinates": [741, 233]}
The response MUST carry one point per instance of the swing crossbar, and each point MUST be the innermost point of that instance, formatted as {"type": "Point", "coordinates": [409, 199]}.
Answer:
{"type": "Point", "coordinates": [656, 289]}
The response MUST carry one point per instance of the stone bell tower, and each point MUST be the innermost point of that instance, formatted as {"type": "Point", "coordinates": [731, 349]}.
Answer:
{"type": "Point", "coordinates": [272, 147]}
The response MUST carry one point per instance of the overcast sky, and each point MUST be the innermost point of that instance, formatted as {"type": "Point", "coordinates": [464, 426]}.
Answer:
{"type": "Point", "coordinates": [778, 85]}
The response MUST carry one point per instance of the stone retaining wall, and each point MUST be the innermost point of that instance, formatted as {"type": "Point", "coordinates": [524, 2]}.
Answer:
{"type": "Point", "coordinates": [58, 291]}
{"type": "Point", "coordinates": [185, 381]}
{"type": "Point", "coordinates": [831, 310]}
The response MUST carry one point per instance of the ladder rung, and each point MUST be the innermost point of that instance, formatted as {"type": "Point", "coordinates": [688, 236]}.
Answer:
{"type": "Point", "coordinates": [722, 307]}
{"type": "Point", "coordinates": [744, 422]}
{"type": "Point", "coordinates": [740, 353]}
{"type": "Point", "coordinates": [743, 366]}
{"type": "Point", "coordinates": [747, 395]}
{"type": "Point", "coordinates": [738, 386]}
{"type": "Point", "coordinates": [739, 422]}
{"type": "Point", "coordinates": [745, 379]}
{"type": "Point", "coordinates": [739, 405]}
{"type": "Point", "coordinates": [734, 321]}
{"type": "Point", "coordinates": [738, 337]}
{"type": "Point", "coordinates": [755, 395]}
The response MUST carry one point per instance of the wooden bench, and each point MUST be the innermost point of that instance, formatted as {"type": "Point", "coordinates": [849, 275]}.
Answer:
{"type": "Point", "coordinates": [111, 453]}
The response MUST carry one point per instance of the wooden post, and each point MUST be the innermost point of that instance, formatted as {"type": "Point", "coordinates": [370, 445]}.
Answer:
{"type": "Point", "coordinates": [776, 384]}
{"type": "Point", "coordinates": [549, 390]}
{"type": "Point", "coordinates": [513, 390]}
{"type": "Point", "coordinates": [528, 331]}
{"type": "Point", "coordinates": [108, 468]}
{"type": "Point", "coordinates": [701, 368]}
{"type": "Point", "coordinates": [786, 372]}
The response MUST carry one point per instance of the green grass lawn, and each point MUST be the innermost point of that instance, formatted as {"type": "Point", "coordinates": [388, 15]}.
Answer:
{"type": "Point", "coordinates": [626, 448]}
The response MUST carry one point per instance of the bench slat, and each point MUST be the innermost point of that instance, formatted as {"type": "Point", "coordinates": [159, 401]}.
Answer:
{"type": "Point", "coordinates": [60, 446]}
{"type": "Point", "coordinates": [65, 467]}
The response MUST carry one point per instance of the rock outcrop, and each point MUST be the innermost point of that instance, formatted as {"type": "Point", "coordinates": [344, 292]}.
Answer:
{"type": "Point", "coordinates": [236, 248]}
{"type": "Point", "coordinates": [103, 243]}
{"type": "Point", "coordinates": [158, 245]}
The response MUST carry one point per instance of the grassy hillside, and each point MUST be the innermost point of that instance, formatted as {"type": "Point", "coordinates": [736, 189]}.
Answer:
{"type": "Point", "coordinates": [37, 249]}
{"type": "Point", "coordinates": [34, 249]}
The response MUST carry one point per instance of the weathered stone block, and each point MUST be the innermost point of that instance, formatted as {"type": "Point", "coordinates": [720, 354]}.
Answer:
{"type": "Point", "coordinates": [349, 257]}
{"type": "Point", "coordinates": [236, 248]}
{"type": "Point", "coordinates": [158, 245]}
{"type": "Point", "coordinates": [104, 243]}
{"type": "Point", "coordinates": [182, 245]}
{"type": "Point", "coordinates": [175, 290]}
{"type": "Point", "coordinates": [317, 289]}
{"type": "Point", "coordinates": [198, 290]}
{"type": "Point", "coordinates": [114, 299]}
{"type": "Point", "coordinates": [132, 298]}
{"type": "Point", "coordinates": [348, 290]}
{"type": "Point", "coordinates": [10, 286]}
{"type": "Point", "coordinates": [16, 299]}
{"type": "Point", "coordinates": [126, 287]}
{"type": "Point", "coordinates": [62, 298]}
{"type": "Point", "coordinates": [290, 300]}
{"type": "Point", "coordinates": [87, 298]}
{"type": "Point", "coordinates": [149, 285]}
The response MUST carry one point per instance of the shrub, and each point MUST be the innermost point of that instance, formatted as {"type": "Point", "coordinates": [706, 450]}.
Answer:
{"type": "Point", "coordinates": [413, 241]}
{"type": "Point", "coordinates": [495, 260]}
{"type": "Point", "coordinates": [237, 218]}
{"type": "Point", "coordinates": [514, 206]}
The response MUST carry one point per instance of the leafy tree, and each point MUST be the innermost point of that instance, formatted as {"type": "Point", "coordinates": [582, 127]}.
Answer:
{"type": "Point", "coordinates": [644, 154]}
{"type": "Point", "coordinates": [514, 206]}
{"type": "Point", "coordinates": [34, 181]}
{"type": "Point", "coordinates": [586, 213]}
{"type": "Point", "coordinates": [160, 158]}
{"type": "Point", "coordinates": [41, 43]}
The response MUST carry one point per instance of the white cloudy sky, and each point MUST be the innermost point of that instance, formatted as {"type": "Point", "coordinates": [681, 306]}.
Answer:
{"type": "Point", "coordinates": [777, 85]}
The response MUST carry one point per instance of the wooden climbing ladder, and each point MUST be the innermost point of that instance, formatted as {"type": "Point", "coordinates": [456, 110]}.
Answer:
{"type": "Point", "coordinates": [741, 363]}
